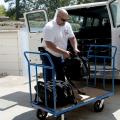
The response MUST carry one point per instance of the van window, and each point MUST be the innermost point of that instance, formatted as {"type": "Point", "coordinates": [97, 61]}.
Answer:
{"type": "Point", "coordinates": [115, 11]}
{"type": "Point", "coordinates": [36, 21]}
{"type": "Point", "coordinates": [75, 22]}
{"type": "Point", "coordinates": [89, 22]}
{"type": "Point", "coordinates": [96, 22]}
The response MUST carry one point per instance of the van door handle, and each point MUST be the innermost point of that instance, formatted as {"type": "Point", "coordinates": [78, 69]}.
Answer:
{"type": "Point", "coordinates": [41, 40]}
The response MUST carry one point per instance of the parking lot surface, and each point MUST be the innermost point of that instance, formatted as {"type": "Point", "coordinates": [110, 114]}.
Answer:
{"type": "Point", "coordinates": [15, 103]}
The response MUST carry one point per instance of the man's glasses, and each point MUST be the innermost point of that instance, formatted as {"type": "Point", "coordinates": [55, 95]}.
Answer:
{"type": "Point", "coordinates": [64, 20]}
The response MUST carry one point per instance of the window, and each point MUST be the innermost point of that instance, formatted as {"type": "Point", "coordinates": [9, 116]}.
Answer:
{"type": "Point", "coordinates": [96, 22]}
{"type": "Point", "coordinates": [115, 11]}
{"type": "Point", "coordinates": [36, 21]}
{"type": "Point", "coordinates": [75, 22]}
{"type": "Point", "coordinates": [89, 22]}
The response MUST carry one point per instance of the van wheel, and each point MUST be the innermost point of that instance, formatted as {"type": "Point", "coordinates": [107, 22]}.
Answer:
{"type": "Point", "coordinates": [99, 105]}
{"type": "Point", "coordinates": [41, 115]}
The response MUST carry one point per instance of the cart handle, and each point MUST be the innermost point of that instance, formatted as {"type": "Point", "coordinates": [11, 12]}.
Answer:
{"type": "Point", "coordinates": [27, 53]}
{"type": "Point", "coordinates": [102, 46]}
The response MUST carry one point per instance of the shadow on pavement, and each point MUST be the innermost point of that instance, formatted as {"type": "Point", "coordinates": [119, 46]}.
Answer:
{"type": "Point", "coordinates": [30, 115]}
{"type": "Point", "coordinates": [20, 98]}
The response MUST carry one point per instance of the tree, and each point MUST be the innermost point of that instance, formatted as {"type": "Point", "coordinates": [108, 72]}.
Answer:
{"type": "Point", "coordinates": [21, 6]}
{"type": "Point", "coordinates": [17, 6]}
{"type": "Point", "coordinates": [2, 10]}
{"type": "Point", "coordinates": [49, 5]}
{"type": "Point", "coordinates": [81, 1]}
{"type": "Point", "coordinates": [26, 5]}
{"type": "Point", "coordinates": [11, 12]}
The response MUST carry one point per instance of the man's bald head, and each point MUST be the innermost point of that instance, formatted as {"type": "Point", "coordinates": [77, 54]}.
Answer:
{"type": "Point", "coordinates": [62, 16]}
{"type": "Point", "coordinates": [62, 11]}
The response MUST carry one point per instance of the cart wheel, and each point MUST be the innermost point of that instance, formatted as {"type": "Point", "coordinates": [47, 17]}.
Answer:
{"type": "Point", "coordinates": [99, 105]}
{"type": "Point", "coordinates": [41, 115]}
{"type": "Point", "coordinates": [59, 118]}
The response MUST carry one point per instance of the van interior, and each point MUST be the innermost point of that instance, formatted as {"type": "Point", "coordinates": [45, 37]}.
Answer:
{"type": "Point", "coordinates": [91, 26]}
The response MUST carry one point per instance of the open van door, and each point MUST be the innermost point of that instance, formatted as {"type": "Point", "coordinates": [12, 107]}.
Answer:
{"type": "Point", "coordinates": [35, 21]}
{"type": "Point", "coordinates": [114, 6]}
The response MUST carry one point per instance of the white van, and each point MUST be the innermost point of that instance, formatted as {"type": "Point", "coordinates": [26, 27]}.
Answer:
{"type": "Point", "coordinates": [92, 23]}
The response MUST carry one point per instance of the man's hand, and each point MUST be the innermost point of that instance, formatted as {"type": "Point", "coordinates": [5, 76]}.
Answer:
{"type": "Point", "coordinates": [66, 54]}
{"type": "Point", "coordinates": [76, 51]}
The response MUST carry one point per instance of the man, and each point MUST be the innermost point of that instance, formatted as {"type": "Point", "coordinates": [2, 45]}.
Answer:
{"type": "Point", "coordinates": [56, 34]}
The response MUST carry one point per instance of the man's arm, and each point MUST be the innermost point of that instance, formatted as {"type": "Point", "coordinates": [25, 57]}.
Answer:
{"type": "Point", "coordinates": [52, 46]}
{"type": "Point", "coordinates": [74, 44]}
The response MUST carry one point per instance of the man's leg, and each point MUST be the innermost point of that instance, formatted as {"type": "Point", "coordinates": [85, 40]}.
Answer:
{"type": "Point", "coordinates": [58, 64]}
{"type": "Point", "coordinates": [57, 61]}
{"type": "Point", "coordinates": [47, 73]}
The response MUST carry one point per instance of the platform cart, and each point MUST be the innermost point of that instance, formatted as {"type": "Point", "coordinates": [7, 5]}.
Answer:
{"type": "Point", "coordinates": [94, 93]}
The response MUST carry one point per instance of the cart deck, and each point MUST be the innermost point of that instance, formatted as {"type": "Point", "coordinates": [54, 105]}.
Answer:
{"type": "Point", "coordinates": [92, 93]}
{"type": "Point", "coordinates": [91, 96]}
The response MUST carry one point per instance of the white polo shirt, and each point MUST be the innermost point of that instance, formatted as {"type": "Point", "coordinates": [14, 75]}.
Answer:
{"type": "Point", "coordinates": [58, 35]}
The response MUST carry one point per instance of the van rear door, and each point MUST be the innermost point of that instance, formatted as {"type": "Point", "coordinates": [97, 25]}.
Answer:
{"type": "Point", "coordinates": [114, 7]}
{"type": "Point", "coordinates": [35, 21]}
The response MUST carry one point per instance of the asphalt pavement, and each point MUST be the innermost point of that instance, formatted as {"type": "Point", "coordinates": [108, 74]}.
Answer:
{"type": "Point", "coordinates": [15, 103]}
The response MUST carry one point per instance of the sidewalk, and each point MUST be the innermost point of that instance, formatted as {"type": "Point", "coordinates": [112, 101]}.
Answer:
{"type": "Point", "coordinates": [14, 103]}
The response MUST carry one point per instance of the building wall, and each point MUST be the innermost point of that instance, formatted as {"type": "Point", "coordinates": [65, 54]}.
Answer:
{"type": "Point", "coordinates": [10, 60]}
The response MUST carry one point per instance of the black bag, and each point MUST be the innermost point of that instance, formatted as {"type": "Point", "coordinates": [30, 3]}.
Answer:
{"type": "Point", "coordinates": [76, 67]}
{"type": "Point", "coordinates": [64, 93]}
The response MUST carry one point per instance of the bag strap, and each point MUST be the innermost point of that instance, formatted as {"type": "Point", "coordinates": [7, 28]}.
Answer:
{"type": "Point", "coordinates": [86, 65]}
{"type": "Point", "coordinates": [73, 92]}
{"type": "Point", "coordinates": [73, 85]}
{"type": "Point", "coordinates": [84, 62]}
